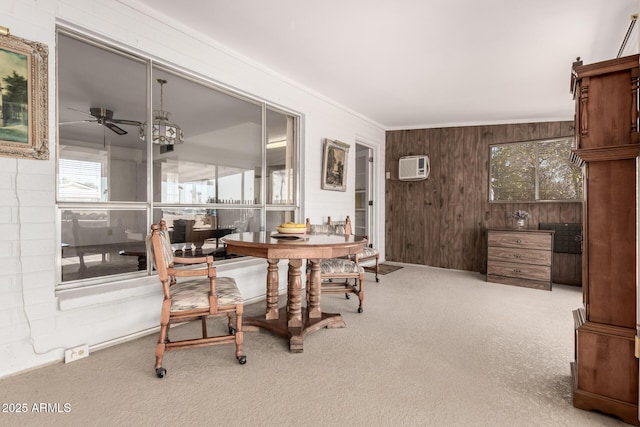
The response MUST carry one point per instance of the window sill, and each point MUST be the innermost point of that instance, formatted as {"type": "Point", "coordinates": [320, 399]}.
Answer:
{"type": "Point", "coordinates": [71, 299]}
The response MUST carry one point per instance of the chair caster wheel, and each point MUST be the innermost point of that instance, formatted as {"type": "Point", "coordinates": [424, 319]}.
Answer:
{"type": "Point", "coordinates": [242, 360]}
{"type": "Point", "coordinates": [359, 309]}
{"type": "Point", "coordinates": [377, 280]}
{"type": "Point", "coordinates": [347, 296]}
{"type": "Point", "coordinates": [161, 372]}
{"type": "Point", "coordinates": [232, 331]}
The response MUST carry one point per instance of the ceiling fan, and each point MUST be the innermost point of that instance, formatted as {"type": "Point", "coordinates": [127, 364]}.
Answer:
{"type": "Point", "coordinates": [104, 117]}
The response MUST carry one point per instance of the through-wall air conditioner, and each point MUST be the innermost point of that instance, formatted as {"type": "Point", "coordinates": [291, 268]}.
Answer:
{"type": "Point", "coordinates": [414, 168]}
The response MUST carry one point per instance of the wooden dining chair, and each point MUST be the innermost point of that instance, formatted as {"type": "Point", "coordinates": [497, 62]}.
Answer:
{"type": "Point", "coordinates": [368, 253]}
{"type": "Point", "coordinates": [192, 294]}
{"type": "Point", "coordinates": [338, 275]}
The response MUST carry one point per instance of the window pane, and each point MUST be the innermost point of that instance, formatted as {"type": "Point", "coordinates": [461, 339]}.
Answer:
{"type": "Point", "coordinates": [236, 185]}
{"type": "Point", "coordinates": [185, 182]}
{"type": "Point", "coordinates": [101, 157]}
{"type": "Point", "coordinates": [558, 178]}
{"type": "Point", "coordinates": [80, 178]}
{"type": "Point", "coordinates": [102, 242]}
{"type": "Point", "coordinates": [206, 187]}
{"type": "Point", "coordinates": [513, 171]}
{"type": "Point", "coordinates": [280, 158]}
{"type": "Point", "coordinates": [221, 149]}
{"type": "Point", "coordinates": [201, 228]}
{"type": "Point", "coordinates": [534, 171]}
{"type": "Point", "coordinates": [275, 218]}
{"type": "Point", "coordinates": [239, 220]}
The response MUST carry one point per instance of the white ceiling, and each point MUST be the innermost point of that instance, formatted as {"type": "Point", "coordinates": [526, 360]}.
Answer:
{"type": "Point", "coordinates": [419, 63]}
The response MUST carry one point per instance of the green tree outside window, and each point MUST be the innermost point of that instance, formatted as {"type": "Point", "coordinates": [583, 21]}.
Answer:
{"type": "Point", "coordinates": [534, 171]}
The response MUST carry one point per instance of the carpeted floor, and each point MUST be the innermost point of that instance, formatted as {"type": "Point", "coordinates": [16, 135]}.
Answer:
{"type": "Point", "coordinates": [433, 347]}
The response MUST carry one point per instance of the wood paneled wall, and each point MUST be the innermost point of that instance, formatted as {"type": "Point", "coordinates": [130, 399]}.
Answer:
{"type": "Point", "coordinates": [442, 221]}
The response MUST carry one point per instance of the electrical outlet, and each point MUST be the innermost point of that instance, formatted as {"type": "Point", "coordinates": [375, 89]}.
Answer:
{"type": "Point", "coordinates": [76, 353]}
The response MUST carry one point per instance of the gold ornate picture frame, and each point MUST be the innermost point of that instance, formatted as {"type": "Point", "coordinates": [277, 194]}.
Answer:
{"type": "Point", "coordinates": [23, 98]}
{"type": "Point", "coordinates": [334, 165]}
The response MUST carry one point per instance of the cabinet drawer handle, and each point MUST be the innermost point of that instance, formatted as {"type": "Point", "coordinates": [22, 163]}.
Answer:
{"type": "Point", "coordinates": [516, 270]}
{"type": "Point", "coordinates": [518, 241]}
{"type": "Point", "coordinates": [516, 255]}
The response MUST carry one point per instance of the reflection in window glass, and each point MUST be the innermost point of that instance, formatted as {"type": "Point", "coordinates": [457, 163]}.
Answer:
{"type": "Point", "coordinates": [210, 184]}
{"type": "Point", "coordinates": [240, 220]}
{"type": "Point", "coordinates": [281, 184]}
{"type": "Point", "coordinates": [81, 180]}
{"type": "Point", "coordinates": [222, 147]}
{"type": "Point", "coordinates": [236, 186]}
{"type": "Point", "coordinates": [277, 217]}
{"type": "Point", "coordinates": [533, 171]}
{"type": "Point", "coordinates": [102, 242]}
{"type": "Point", "coordinates": [186, 182]}
{"type": "Point", "coordinates": [200, 229]}
{"type": "Point", "coordinates": [280, 158]}
{"type": "Point", "coordinates": [196, 183]}
{"type": "Point", "coordinates": [100, 121]}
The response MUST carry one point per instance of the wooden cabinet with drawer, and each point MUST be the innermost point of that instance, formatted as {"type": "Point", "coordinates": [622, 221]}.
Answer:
{"type": "Point", "coordinates": [520, 257]}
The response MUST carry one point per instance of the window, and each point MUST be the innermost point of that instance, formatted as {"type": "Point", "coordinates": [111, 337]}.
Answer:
{"type": "Point", "coordinates": [113, 181]}
{"type": "Point", "coordinates": [534, 171]}
{"type": "Point", "coordinates": [80, 180]}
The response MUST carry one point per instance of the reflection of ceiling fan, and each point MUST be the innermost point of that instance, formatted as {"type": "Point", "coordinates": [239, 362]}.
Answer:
{"type": "Point", "coordinates": [105, 118]}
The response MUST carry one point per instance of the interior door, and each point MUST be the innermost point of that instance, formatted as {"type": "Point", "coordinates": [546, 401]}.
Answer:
{"type": "Point", "coordinates": [363, 222]}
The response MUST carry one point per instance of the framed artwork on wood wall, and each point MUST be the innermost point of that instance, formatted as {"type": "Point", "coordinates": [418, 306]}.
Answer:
{"type": "Point", "coordinates": [334, 165]}
{"type": "Point", "coordinates": [23, 97]}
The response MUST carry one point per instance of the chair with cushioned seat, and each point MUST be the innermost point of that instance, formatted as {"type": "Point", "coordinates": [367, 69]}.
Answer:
{"type": "Point", "coordinates": [367, 254]}
{"type": "Point", "coordinates": [193, 294]}
{"type": "Point", "coordinates": [338, 275]}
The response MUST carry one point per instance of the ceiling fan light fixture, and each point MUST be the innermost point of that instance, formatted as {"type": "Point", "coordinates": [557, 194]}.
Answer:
{"type": "Point", "coordinates": [163, 131]}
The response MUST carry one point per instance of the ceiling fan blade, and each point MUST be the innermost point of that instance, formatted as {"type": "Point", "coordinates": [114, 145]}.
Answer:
{"type": "Point", "coordinates": [126, 122]}
{"type": "Point", "coordinates": [80, 111]}
{"type": "Point", "coordinates": [104, 117]}
{"type": "Point", "coordinates": [115, 128]}
{"type": "Point", "coordinates": [75, 122]}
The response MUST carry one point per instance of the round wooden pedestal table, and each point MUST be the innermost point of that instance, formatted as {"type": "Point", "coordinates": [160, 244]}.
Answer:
{"type": "Point", "coordinates": [294, 321]}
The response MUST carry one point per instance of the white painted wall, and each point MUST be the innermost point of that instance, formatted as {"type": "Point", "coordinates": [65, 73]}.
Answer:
{"type": "Point", "coordinates": [36, 324]}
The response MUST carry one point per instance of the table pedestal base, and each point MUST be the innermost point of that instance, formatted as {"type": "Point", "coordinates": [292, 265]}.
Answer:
{"type": "Point", "coordinates": [296, 334]}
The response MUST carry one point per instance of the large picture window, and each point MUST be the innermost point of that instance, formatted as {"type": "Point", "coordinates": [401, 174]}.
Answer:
{"type": "Point", "coordinates": [235, 169]}
{"type": "Point", "coordinates": [534, 171]}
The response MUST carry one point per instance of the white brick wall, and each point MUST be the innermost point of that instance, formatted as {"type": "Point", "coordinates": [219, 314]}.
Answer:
{"type": "Point", "coordinates": [36, 325]}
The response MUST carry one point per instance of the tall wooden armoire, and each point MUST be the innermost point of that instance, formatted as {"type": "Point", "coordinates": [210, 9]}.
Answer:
{"type": "Point", "coordinates": [605, 372]}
